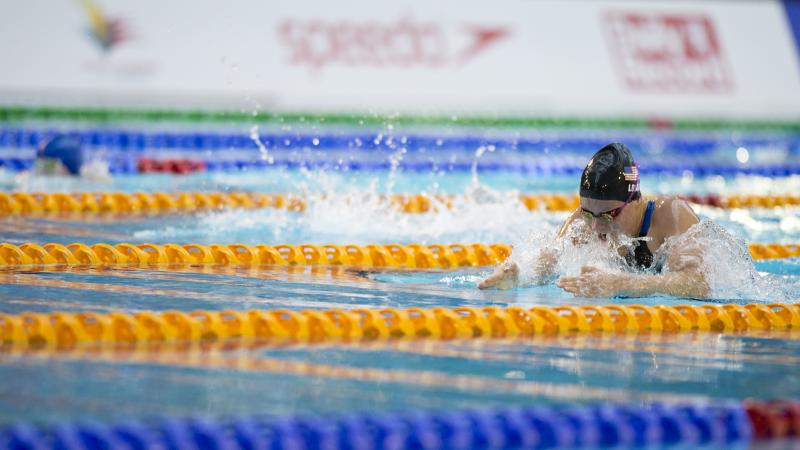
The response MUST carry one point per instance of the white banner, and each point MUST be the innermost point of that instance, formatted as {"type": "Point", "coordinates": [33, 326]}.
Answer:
{"type": "Point", "coordinates": [600, 58]}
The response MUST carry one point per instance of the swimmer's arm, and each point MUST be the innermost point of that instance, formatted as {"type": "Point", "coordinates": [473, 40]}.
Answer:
{"type": "Point", "coordinates": [593, 282]}
{"type": "Point", "coordinates": [545, 265]}
{"type": "Point", "coordinates": [684, 280]}
{"type": "Point", "coordinates": [506, 275]}
{"type": "Point", "coordinates": [690, 284]}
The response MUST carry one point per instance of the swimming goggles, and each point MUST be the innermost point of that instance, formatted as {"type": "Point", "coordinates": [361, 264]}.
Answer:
{"type": "Point", "coordinates": [608, 216]}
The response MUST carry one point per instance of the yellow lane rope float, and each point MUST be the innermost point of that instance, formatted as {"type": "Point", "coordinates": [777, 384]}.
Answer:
{"type": "Point", "coordinates": [389, 255]}
{"type": "Point", "coordinates": [416, 256]}
{"type": "Point", "coordinates": [24, 203]}
{"type": "Point", "coordinates": [65, 329]}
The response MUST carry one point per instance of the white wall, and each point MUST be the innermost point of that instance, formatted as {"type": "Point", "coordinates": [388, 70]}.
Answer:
{"type": "Point", "coordinates": [667, 58]}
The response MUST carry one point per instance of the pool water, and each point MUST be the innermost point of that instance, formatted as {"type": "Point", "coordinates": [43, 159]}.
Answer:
{"type": "Point", "coordinates": [109, 386]}
{"type": "Point", "coordinates": [243, 377]}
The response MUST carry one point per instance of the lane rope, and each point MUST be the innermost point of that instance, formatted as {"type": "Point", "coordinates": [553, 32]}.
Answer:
{"type": "Point", "coordinates": [34, 203]}
{"type": "Point", "coordinates": [415, 256]}
{"type": "Point", "coordinates": [130, 151]}
{"type": "Point", "coordinates": [24, 203]}
{"type": "Point", "coordinates": [389, 255]}
{"type": "Point", "coordinates": [615, 425]}
{"type": "Point", "coordinates": [65, 330]}
{"type": "Point", "coordinates": [194, 142]}
{"type": "Point", "coordinates": [124, 162]}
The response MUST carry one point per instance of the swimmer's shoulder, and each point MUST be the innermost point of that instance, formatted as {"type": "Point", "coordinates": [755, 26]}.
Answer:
{"type": "Point", "coordinates": [672, 215]}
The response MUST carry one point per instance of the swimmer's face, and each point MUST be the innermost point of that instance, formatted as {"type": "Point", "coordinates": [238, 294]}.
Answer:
{"type": "Point", "coordinates": [601, 215]}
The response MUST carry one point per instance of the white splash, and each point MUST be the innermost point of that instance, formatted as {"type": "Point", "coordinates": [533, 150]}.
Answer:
{"type": "Point", "coordinates": [95, 170]}
{"type": "Point", "coordinates": [256, 138]}
{"type": "Point", "coordinates": [478, 154]}
{"type": "Point", "coordinates": [726, 263]}
{"type": "Point", "coordinates": [371, 217]}
{"type": "Point", "coordinates": [725, 259]}
{"type": "Point", "coordinates": [394, 163]}
{"type": "Point", "coordinates": [460, 280]}
{"type": "Point", "coordinates": [577, 248]}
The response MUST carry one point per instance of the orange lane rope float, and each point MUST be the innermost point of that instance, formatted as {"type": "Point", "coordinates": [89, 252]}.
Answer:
{"type": "Point", "coordinates": [388, 255]}
{"type": "Point", "coordinates": [416, 256]}
{"type": "Point", "coordinates": [24, 203]}
{"type": "Point", "coordinates": [66, 329]}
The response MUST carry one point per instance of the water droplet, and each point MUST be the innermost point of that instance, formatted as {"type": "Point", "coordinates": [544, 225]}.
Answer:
{"type": "Point", "coordinates": [742, 155]}
{"type": "Point", "coordinates": [514, 375]}
{"type": "Point", "coordinates": [254, 136]}
{"type": "Point", "coordinates": [687, 177]}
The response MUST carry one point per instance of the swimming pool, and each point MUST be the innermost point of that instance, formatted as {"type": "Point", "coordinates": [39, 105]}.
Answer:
{"type": "Point", "coordinates": [344, 205]}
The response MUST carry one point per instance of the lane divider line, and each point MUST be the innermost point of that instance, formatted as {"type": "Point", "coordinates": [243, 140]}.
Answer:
{"type": "Point", "coordinates": [64, 330]}
{"type": "Point", "coordinates": [35, 203]}
{"type": "Point", "coordinates": [414, 256]}
{"type": "Point", "coordinates": [601, 425]}
{"type": "Point", "coordinates": [389, 255]}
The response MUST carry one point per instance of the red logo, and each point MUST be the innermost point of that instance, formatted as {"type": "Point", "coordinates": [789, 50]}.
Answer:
{"type": "Point", "coordinates": [405, 43]}
{"type": "Point", "coordinates": [667, 52]}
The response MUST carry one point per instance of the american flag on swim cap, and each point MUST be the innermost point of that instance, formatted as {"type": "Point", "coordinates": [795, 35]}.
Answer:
{"type": "Point", "coordinates": [631, 173]}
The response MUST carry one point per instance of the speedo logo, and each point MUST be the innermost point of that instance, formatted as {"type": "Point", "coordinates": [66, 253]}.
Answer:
{"type": "Point", "coordinates": [405, 43]}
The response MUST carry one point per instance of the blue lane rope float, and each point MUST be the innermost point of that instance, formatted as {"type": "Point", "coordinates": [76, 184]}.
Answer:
{"type": "Point", "coordinates": [194, 141]}
{"type": "Point", "coordinates": [128, 164]}
{"type": "Point", "coordinates": [123, 149]}
{"type": "Point", "coordinates": [536, 427]}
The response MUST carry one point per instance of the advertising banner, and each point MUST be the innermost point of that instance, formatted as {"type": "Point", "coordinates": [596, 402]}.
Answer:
{"type": "Point", "coordinates": [601, 58]}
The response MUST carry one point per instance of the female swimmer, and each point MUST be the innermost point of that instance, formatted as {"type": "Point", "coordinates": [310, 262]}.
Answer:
{"type": "Point", "coordinates": [612, 205]}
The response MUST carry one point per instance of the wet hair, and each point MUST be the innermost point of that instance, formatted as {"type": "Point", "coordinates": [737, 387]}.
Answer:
{"type": "Point", "coordinates": [611, 174]}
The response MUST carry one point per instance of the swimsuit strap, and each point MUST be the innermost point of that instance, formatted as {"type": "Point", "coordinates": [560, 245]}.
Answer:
{"type": "Point", "coordinates": [642, 257]}
{"type": "Point", "coordinates": [648, 214]}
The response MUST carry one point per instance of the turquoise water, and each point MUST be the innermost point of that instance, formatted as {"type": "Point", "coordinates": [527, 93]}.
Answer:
{"type": "Point", "coordinates": [133, 289]}
{"type": "Point", "coordinates": [109, 384]}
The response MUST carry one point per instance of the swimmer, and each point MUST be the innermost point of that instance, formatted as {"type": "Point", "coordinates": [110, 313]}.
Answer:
{"type": "Point", "coordinates": [64, 155]}
{"type": "Point", "coordinates": [612, 205]}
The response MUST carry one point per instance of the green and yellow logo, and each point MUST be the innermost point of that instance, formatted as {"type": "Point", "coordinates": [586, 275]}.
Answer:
{"type": "Point", "coordinates": [107, 32]}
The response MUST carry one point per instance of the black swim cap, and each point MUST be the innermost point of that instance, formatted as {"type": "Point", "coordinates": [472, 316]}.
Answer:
{"type": "Point", "coordinates": [611, 174]}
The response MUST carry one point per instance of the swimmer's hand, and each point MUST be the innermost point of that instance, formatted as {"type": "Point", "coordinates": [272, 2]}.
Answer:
{"type": "Point", "coordinates": [504, 277]}
{"type": "Point", "coordinates": [592, 282]}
